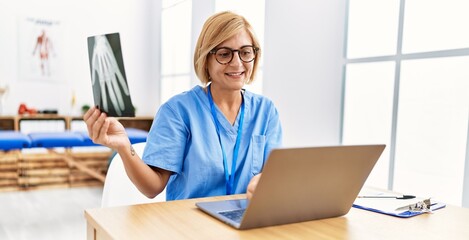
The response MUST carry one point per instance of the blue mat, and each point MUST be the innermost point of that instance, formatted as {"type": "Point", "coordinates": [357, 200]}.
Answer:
{"type": "Point", "coordinates": [13, 140]}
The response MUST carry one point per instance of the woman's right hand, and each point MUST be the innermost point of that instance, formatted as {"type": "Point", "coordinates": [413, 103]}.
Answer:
{"type": "Point", "coordinates": [105, 130]}
{"type": "Point", "coordinates": [252, 186]}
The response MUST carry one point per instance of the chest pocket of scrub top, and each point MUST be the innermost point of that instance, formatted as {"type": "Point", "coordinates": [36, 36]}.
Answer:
{"type": "Point", "coordinates": [257, 150]}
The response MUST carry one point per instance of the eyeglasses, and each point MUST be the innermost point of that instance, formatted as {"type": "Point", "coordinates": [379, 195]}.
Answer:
{"type": "Point", "coordinates": [225, 55]}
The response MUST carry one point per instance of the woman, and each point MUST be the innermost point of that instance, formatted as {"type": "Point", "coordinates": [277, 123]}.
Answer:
{"type": "Point", "coordinates": [211, 140]}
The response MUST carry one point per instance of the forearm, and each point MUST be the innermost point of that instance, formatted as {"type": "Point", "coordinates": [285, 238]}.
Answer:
{"type": "Point", "coordinates": [149, 181]}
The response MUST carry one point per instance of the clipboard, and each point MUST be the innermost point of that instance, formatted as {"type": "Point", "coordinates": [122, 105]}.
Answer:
{"type": "Point", "coordinates": [392, 206]}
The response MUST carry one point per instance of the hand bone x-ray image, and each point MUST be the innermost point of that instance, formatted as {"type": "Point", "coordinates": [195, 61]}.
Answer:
{"type": "Point", "coordinates": [110, 90]}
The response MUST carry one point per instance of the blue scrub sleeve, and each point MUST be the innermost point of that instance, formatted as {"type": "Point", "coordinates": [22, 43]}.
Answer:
{"type": "Point", "coordinates": [166, 140]}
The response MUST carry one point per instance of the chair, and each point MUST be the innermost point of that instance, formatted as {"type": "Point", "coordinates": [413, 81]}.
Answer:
{"type": "Point", "coordinates": [119, 190]}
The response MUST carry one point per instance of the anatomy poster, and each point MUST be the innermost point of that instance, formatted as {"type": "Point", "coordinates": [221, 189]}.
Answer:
{"type": "Point", "coordinates": [39, 49]}
{"type": "Point", "coordinates": [110, 90]}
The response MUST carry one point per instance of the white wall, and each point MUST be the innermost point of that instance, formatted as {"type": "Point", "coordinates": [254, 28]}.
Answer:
{"type": "Point", "coordinates": [303, 68]}
{"type": "Point", "coordinates": [136, 20]}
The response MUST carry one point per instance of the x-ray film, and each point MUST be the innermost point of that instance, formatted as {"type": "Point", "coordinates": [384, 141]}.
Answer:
{"type": "Point", "coordinates": [110, 89]}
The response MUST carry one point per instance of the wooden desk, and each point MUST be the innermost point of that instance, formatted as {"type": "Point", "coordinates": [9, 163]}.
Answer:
{"type": "Point", "coordinates": [182, 220]}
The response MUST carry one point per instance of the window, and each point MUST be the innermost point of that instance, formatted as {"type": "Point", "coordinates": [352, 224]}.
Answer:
{"type": "Point", "coordinates": [368, 108]}
{"type": "Point", "coordinates": [176, 59]}
{"type": "Point", "coordinates": [432, 127]}
{"type": "Point", "coordinates": [372, 28]}
{"type": "Point", "coordinates": [435, 25]}
{"type": "Point", "coordinates": [407, 85]}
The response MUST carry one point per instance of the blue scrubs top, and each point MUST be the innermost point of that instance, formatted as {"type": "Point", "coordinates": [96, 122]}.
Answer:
{"type": "Point", "coordinates": [183, 139]}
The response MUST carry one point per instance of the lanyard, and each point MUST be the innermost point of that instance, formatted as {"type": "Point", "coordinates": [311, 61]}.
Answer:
{"type": "Point", "coordinates": [228, 177]}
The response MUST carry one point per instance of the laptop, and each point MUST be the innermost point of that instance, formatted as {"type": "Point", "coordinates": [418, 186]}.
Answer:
{"type": "Point", "coordinates": [301, 184]}
{"type": "Point", "coordinates": [110, 89]}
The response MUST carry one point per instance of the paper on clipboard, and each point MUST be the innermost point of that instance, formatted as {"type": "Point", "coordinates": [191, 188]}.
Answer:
{"type": "Point", "coordinates": [394, 207]}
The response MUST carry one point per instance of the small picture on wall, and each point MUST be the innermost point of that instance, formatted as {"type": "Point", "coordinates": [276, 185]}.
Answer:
{"type": "Point", "coordinates": [39, 49]}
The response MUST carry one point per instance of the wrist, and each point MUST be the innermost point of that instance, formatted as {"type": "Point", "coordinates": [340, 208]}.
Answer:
{"type": "Point", "coordinates": [125, 148]}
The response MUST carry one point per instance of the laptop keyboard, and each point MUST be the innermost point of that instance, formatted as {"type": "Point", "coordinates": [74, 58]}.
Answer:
{"type": "Point", "coordinates": [235, 215]}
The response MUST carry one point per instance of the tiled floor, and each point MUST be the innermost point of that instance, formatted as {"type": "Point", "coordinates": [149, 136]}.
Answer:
{"type": "Point", "coordinates": [47, 214]}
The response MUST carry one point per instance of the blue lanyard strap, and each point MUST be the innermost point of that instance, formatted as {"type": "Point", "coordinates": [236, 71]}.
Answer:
{"type": "Point", "coordinates": [228, 177]}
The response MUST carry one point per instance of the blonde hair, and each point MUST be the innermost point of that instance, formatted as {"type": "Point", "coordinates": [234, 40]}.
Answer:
{"type": "Point", "coordinates": [217, 29]}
